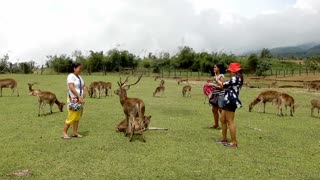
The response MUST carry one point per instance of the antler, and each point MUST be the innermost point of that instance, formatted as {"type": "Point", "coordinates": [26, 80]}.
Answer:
{"type": "Point", "coordinates": [128, 85]}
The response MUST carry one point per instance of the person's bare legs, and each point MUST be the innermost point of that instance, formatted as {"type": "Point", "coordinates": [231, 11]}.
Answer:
{"type": "Point", "coordinates": [65, 131]}
{"type": "Point", "coordinates": [75, 128]}
{"type": "Point", "coordinates": [230, 120]}
{"type": "Point", "coordinates": [223, 125]}
{"type": "Point", "coordinates": [215, 112]}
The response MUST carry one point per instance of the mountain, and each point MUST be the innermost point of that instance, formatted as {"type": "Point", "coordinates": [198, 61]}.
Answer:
{"type": "Point", "coordinates": [300, 51]}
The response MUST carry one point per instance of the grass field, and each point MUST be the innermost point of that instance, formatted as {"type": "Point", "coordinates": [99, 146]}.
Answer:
{"type": "Point", "coordinates": [285, 148]}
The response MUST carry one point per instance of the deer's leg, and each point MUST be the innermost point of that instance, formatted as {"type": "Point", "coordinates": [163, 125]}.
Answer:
{"type": "Point", "coordinates": [1, 92]}
{"type": "Point", "coordinates": [312, 111]}
{"type": "Point", "coordinates": [131, 127]}
{"type": "Point", "coordinates": [39, 108]}
{"type": "Point", "coordinates": [51, 108]}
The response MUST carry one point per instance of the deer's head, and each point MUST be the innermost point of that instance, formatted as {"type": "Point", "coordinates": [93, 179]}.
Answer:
{"type": "Point", "coordinates": [123, 86]}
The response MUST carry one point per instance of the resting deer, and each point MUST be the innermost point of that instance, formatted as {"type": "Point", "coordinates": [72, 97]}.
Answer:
{"type": "Point", "coordinates": [8, 83]}
{"type": "Point", "coordinates": [33, 92]}
{"type": "Point", "coordinates": [133, 108]}
{"type": "Point", "coordinates": [159, 89]}
{"type": "Point", "coordinates": [123, 125]}
{"type": "Point", "coordinates": [181, 80]}
{"type": "Point", "coordinates": [264, 97]}
{"type": "Point", "coordinates": [285, 100]}
{"type": "Point", "coordinates": [46, 97]}
{"type": "Point", "coordinates": [315, 103]}
{"type": "Point", "coordinates": [186, 90]}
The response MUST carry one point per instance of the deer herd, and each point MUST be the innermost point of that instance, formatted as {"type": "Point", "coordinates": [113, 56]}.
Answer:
{"type": "Point", "coordinates": [136, 122]}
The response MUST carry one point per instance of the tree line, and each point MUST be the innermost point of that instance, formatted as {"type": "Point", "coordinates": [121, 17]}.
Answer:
{"type": "Point", "coordinates": [186, 58]}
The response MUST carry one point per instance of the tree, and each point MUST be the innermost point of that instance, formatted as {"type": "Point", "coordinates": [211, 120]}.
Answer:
{"type": "Point", "coordinates": [4, 63]}
{"type": "Point", "coordinates": [265, 53]}
{"type": "Point", "coordinates": [263, 66]}
{"type": "Point", "coordinates": [252, 63]}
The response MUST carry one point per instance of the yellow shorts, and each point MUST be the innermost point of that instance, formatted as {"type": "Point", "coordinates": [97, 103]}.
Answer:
{"type": "Point", "coordinates": [73, 115]}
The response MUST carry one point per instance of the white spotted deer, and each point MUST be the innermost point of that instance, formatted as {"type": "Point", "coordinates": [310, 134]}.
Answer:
{"type": "Point", "coordinates": [8, 83]}
{"type": "Point", "coordinates": [133, 108]}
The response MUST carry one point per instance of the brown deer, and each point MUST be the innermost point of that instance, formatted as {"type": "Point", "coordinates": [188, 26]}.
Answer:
{"type": "Point", "coordinates": [33, 92]}
{"type": "Point", "coordinates": [181, 80]}
{"type": "Point", "coordinates": [8, 83]}
{"type": "Point", "coordinates": [315, 103]}
{"type": "Point", "coordinates": [46, 97]}
{"type": "Point", "coordinates": [186, 90]}
{"type": "Point", "coordinates": [162, 82]}
{"type": "Point", "coordinates": [285, 100]}
{"type": "Point", "coordinates": [108, 88]}
{"type": "Point", "coordinates": [273, 85]}
{"type": "Point", "coordinates": [159, 89]}
{"type": "Point", "coordinates": [123, 125]}
{"type": "Point", "coordinates": [156, 78]}
{"type": "Point", "coordinates": [94, 89]}
{"type": "Point", "coordinates": [264, 97]}
{"type": "Point", "coordinates": [133, 108]}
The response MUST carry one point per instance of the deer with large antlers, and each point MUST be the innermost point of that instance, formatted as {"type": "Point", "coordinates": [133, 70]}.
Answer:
{"type": "Point", "coordinates": [8, 83]}
{"type": "Point", "coordinates": [133, 108]}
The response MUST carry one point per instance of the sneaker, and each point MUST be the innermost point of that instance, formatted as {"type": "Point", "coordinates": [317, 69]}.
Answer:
{"type": "Point", "coordinates": [231, 145]}
{"type": "Point", "coordinates": [221, 141]}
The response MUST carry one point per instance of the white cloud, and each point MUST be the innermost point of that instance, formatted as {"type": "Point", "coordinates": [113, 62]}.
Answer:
{"type": "Point", "coordinates": [32, 29]}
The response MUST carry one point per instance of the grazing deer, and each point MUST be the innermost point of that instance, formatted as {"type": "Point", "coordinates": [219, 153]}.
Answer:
{"type": "Point", "coordinates": [133, 108]}
{"type": "Point", "coordinates": [94, 89]}
{"type": "Point", "coordinates": [285, 100]}
{"type": "Point", "coordinates": [8, 83]}
{"type": "Point", "coordinates": [33, 92]}
{"type": "Point", "coordinates": [104, 86]}
{"type": "Point", "coordinates": [46, 97]}
{"type": "Point", "coordinates": [315, 103]}
{"type": "Point", "coordinates": [186, 89]}
{"type": "Point", "coordinates": [264, 97]}
{"type": "Point", "coordinates": [181, 80]}
{"type": "Point", "coordinates": [159, 89]}
{"type": "Point", "coordinates": [123, 125]}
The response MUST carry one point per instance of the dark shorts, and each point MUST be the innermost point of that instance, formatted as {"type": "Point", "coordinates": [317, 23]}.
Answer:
{"type": "Point", "coordinates": [230, 107]}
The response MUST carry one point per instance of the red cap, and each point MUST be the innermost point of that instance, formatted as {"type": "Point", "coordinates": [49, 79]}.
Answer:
{"type": "Point", "coordinates": [234, 67]}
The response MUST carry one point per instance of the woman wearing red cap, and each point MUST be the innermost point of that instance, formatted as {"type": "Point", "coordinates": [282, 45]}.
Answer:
{"type": "Point", "coordinates": [231, 103]}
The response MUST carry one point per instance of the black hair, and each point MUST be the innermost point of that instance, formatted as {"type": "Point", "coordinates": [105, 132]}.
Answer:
{"type": "Point", "coordinates": [221, 67]}
{"type": "Point", "coordinates": [240, 75]}
{"type": "Point", "coordinates": [73, 65]}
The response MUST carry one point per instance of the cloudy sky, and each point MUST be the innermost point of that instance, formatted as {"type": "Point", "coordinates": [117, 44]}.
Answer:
{"type": "Point", "coordinates": [33, 29]}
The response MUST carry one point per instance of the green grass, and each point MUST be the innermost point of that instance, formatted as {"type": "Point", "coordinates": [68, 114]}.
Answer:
{"type": "Point", "coordinates": [286, 148]}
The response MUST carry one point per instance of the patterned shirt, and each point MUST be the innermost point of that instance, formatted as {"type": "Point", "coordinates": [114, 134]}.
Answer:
{"type": "Point", "coordinates": [232, 89]}
{"type": "Point", "coordinates": [218, 91]}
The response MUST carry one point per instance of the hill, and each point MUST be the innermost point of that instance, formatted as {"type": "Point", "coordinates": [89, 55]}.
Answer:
{"type": "Point", "coordinates": [289, 52]}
